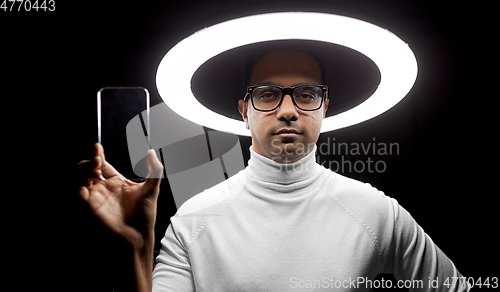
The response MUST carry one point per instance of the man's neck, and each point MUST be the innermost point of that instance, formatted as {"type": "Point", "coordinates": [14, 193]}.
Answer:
{"type": "Point", "coordinates": [267, 170]}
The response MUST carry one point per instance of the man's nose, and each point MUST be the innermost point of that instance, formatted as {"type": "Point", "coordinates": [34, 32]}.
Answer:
{"type": "Point", "coordinates": [287, 110]}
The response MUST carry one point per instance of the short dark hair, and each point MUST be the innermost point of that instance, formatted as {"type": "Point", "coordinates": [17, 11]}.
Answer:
{"type": "Point", "coordinates": [255, 57]}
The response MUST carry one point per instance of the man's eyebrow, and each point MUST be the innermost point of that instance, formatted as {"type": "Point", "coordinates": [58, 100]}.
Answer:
{"type": "Point", "coordinates": [272, 83]}
{"type": "Point", "coordinates": [268, 83]}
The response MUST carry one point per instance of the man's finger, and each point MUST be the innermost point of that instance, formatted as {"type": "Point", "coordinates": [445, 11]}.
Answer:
{"type": "Point", "coordinates": [83, 172]}
{"type": "Point", "coordinates": [106, 169]}
{"type": "Point", "coordinates": [155, 169]}
{"type": "Point", "coordinates": [84, 192]}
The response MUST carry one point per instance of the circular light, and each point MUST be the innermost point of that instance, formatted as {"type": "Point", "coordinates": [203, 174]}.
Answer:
{"type": "Point", "coordinates": [394, 59]}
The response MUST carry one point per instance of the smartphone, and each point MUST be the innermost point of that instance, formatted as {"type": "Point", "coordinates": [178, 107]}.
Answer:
{"type": "Point", "coordinates": [122, 112]}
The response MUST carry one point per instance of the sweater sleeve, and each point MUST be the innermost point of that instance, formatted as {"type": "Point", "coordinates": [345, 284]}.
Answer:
{"type": "Point", "coordinates": [173, 268]}
{"type": "Point", "coordinates": [416, 257]}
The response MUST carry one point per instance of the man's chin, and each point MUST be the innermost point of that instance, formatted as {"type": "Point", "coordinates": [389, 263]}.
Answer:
{"type": "Point", "coordinates": [284, 150]}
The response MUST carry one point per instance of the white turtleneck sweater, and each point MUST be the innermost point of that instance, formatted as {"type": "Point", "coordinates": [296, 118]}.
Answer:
{"type": "Point", "coordinates": [289, 227]}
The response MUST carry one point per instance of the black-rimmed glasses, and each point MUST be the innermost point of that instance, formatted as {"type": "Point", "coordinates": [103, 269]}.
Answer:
{"type": "Point", "coordinates": [307, 97]}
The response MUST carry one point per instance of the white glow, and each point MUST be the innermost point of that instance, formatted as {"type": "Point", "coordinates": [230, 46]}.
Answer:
{"type": "Point", "coordinates": [395, 60]}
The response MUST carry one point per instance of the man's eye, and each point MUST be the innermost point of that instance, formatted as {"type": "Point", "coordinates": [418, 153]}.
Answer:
{"type": "Point", "coordinates": [267, 95]}
{"type": "Point", "coordinates": [306, 97]}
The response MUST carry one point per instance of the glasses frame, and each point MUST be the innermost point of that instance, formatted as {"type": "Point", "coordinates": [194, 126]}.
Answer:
{"type": "Point", "coordinates": [286, 91]}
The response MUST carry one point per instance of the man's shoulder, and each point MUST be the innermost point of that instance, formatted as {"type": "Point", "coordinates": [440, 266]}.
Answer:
{"type": "Point", "coordinates": [212, 197]}
{"type": "Point", "coordinates": [340, 184]}
{"type": "Point", "coordinates": [356, 197]}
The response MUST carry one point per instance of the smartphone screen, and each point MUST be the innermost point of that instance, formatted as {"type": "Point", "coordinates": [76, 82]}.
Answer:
{"type": "Point", "coordinates": [123, 129]}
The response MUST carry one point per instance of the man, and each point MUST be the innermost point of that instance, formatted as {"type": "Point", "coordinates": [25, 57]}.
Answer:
{"type": "Point", "coordinates": [283, 223]}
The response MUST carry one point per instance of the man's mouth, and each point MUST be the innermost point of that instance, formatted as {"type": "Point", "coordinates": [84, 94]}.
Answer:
{"type": "Point", "coordinates": [287, 133]}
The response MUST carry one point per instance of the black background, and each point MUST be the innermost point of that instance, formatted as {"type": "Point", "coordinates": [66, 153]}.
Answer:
{"type": "Point", "coordinates": [55, 62]}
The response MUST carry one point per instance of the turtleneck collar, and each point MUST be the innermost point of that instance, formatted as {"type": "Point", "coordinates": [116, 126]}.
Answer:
{"type": "Point", "coordinates": [270, 171]}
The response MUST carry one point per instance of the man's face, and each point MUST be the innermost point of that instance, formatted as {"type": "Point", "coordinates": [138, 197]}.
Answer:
{"type": "Point", "coordinates": [286, 69]}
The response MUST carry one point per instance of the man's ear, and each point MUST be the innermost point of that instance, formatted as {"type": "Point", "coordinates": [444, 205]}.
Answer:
{"type": "Point", "coordinates": [243, 108]}
{"type": "Point", "coordinates": [325, 105]}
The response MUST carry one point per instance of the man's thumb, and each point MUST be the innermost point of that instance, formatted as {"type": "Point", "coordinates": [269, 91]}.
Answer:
{"type": "Point", "coordinates": [155, 169]}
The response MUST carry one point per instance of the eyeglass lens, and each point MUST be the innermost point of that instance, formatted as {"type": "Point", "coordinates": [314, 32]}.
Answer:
{"type": "Point", "coordinates": [306, 97]}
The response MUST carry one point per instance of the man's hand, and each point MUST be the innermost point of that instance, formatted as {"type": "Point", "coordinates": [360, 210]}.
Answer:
{"type": "Point", "coordinates": [125, 207]}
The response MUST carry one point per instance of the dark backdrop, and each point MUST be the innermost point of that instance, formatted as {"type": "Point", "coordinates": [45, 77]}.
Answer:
{"type": "Point", "coordinates": [55, 62]}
